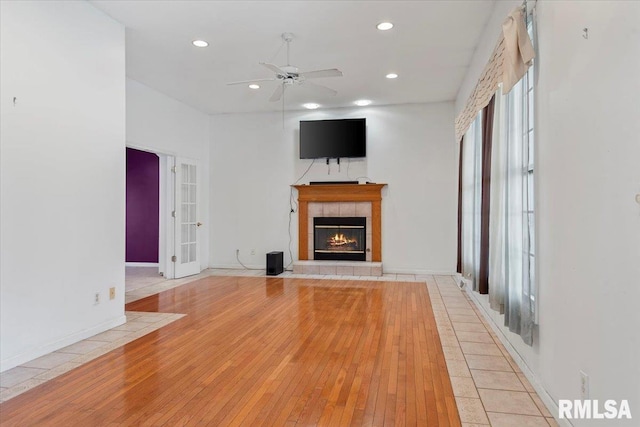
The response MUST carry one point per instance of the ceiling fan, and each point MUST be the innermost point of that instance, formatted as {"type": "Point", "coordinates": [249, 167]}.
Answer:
{"type": "Point", "coordinates": [288, 75]}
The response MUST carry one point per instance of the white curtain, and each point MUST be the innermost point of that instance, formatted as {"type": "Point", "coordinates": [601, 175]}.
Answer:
{"type": "Point", "coordinates": [471, 199]}
{"type": "Point", "coordinates": [497, 211]}
{"type": "Point", "coordinates": [509, 260]}
{"type": "Point", "coordinates": [518, 300]}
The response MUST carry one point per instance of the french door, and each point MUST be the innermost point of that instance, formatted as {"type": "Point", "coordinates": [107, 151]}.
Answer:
{"type": "Point", "coordinates": [186, 259]}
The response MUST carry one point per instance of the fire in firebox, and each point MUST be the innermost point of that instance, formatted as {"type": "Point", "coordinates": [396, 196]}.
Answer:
{"type": "Point", "coordinates": [339, 238]}
{"type": "Point", "coordinates": [339, 241]}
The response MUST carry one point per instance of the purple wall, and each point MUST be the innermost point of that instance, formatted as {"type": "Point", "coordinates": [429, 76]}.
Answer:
{"type": "Point", "coordinates": [143, 205]}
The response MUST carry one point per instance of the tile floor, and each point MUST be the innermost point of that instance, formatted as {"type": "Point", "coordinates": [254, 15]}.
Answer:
{"type": "Point", "coordinates": [140, 277]}
{"type": "Point", "coordinates": [489, 387]}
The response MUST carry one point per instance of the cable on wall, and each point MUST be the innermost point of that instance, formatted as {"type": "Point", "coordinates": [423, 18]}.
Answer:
{"type": "Point", "coordinates": [293, 208]}
{"type": "Point", "coordinates": [240, 262]}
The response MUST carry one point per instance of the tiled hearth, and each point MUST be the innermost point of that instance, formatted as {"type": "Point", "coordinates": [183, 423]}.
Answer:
{"type": "Point", "coordinates": [340, 268]}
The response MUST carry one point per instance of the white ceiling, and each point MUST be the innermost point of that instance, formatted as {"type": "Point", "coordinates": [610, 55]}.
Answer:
{"type": "Point", "coordinates": [430, 48]}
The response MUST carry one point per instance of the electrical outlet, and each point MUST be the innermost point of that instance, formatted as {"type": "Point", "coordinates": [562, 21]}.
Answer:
{"type": "Point", "coordinates": [112, 293]}
{"type": "Point", "coordinates": [584, 385]}
{"type": "Point", "coordinates": [96, 299]}
{"type": "Point", "coordinates": [253, 251]}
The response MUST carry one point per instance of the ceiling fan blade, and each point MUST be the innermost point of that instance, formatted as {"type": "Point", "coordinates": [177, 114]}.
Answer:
{"type": "Point", "coordinates": [331, 72]}
{"type": "Point", "coordinates": [277, 94]}
{"type": "Point", "coordinates": [241, 82]}
{"type": "Point", "coordinates": [320, 88]}
{"type": "Point", "coordinates": [279, 71]}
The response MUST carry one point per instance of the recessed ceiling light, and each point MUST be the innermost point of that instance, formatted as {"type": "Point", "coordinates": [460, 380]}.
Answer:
{"type": "Point", "coordinates": [254, 86]}
{"type": "Point", "coordinates": [200, 43]}
{"type": "Point", "coordinates": [362, 102]}
{"type": "Point", "coordinates": [384, 26]}
{"type": "Point", "coordinates": [311, 106]}
{"type": "Point", "coordinates": [392, 76]}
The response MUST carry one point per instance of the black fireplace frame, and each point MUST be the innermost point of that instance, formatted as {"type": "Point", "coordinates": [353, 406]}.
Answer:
{"type": "Point", "coordinates": [340, 221]}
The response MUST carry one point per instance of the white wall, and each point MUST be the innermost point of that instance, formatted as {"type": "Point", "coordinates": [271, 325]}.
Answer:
{"type": "Point", "coordinates": [251, 169]}
{"type": "Point", "coordinates": [62, 176]}
{"type": "Point", "coordinates": [161, 124]}
{"type": "Point", "coordinates": [410, 147]}
{"type": "Point", "coordinates": [588, 172]}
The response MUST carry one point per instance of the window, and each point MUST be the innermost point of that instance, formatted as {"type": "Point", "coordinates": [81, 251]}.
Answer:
{"type": "Point", "coordinates": [530, 244]}
{"type": "Point", "coordinates": [510, 218]}
{"type": "Point", "coordinates": [520, 240]}
{"type": "Point", "coordinates": [518, 122]}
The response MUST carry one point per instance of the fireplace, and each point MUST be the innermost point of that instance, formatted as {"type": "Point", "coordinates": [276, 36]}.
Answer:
{"type": "Point", "coordinates": [339, 200]}
{"type": "Point", "coordinates": [340, 238]}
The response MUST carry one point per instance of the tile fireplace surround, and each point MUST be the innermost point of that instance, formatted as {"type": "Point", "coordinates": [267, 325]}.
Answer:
{"type": "Point", "coordinates": [339, 200]}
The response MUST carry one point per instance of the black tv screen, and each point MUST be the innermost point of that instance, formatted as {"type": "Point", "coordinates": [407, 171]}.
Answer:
{"type": "Point", "coordinates": [333, 138]}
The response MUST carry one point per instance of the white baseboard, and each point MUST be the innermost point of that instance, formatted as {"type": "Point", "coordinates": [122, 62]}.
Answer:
{"type": "Point", "coordinates": [533, 379]}
{"type": "Point", "coordinates": [31, 354]}
{"type": "Point", "coordinates": [417, 271]}
{"type": "Point", "coordinates": [239, 267]}
{"type": "Point", "coordinates": [141, 264]}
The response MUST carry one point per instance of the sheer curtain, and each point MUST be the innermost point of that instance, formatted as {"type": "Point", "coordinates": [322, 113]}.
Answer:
{"type": "Point", "coordinates": [497, 221]}
{"type": "Point", "coordinates": [518, 301]}
{"type": "Point", "coordinates": [471, 200]}
{"type": "Point", "coordinates": [510, 279]}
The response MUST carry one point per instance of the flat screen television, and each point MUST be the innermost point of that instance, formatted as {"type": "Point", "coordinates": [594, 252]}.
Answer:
{"type": "Point", "coordinates": [333, 138]}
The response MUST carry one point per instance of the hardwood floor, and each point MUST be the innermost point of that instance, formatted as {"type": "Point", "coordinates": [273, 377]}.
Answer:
{"type": "Point", "coordinates": [263, 351]}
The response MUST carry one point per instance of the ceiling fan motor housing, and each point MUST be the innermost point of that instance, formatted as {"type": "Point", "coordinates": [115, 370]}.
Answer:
{"type": "Point", "coordinates": [291, 70]}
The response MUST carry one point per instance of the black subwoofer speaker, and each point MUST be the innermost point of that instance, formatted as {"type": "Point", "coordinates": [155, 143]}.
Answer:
{"type": "Point", "coordinates": [275, 263]}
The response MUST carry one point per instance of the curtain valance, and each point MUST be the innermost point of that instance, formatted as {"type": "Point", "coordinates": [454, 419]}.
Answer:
{"type": "Point", "coordinates": [510, 60]}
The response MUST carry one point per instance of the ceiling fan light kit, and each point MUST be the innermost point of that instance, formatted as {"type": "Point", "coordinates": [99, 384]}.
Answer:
{"type": "Point", "coordinates": [289, 75]}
